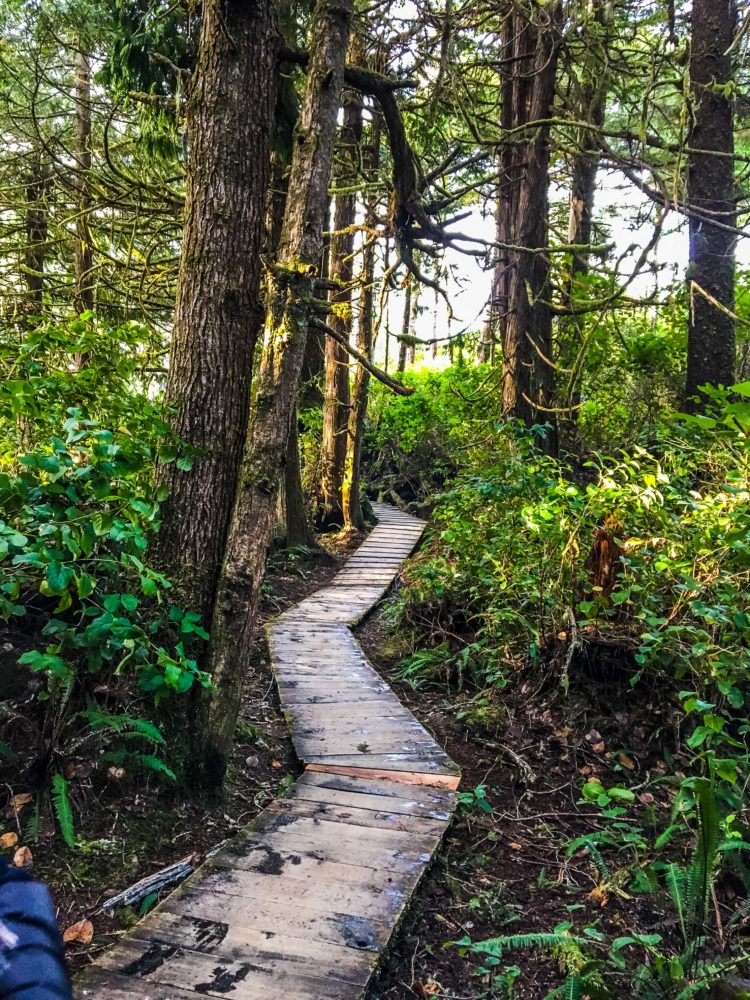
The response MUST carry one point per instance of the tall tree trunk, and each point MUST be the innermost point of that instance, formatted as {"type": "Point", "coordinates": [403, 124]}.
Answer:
{"type": "Point", "coordinates": [411, 350]}
{"type": "Point", "coordinates": [594, 87]}
{"type": "Point", "coordinates": [290, 313]}
{"type": "Point", "coordinates": [711, 329]}
{"type": "Point", "coordinates": [531, 53]}
{"type": "Point", "coordinates": [405, 328]}
{"type": "Point", "coordinates": [35, 246]}
{"type": "Point", "coordinates": [291, 510]}
{"type": "Point", "coordinates": [337, 394]}
{"type": "Point", "coordinates": [84, 259]}
{"type": "Point", "coordinates": [365, 342]}
{"type": "Point", "coordinates": [219, 310]}
{"type": "Point", "coordinates": [498, 299]}
{"type": "Point", "coordinates": [298, 530]}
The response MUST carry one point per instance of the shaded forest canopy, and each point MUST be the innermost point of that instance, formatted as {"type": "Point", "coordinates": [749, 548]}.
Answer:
{"type": "Point", "coordinates": [240, 249]}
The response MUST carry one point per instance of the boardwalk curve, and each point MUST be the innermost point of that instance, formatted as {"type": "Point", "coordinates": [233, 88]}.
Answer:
{"type": "Point", "coordinates": [302, 902]}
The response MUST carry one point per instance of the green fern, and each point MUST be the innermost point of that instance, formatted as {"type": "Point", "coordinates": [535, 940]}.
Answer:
{"type": "Point", "coordinates": [495, 946]}
{"type": "Point", "coordinates": [573, 988]}
{"type": "Point", "coordinates": [147, 761]}
{"type": "Point", "coordinates": [597, 837]}
{"type": "Point", "coordinates": [123, 725]}
{"type": "Point", "coordinates": [666, 835]}
{"type": "Point", "coordinates": [700, 872]}
{"type": "Point", "coordinates": [31, 831]}
{"type": "Point", "coordinates": [63, 809]}
{"type": "Point", "coordinates": [676, 882]}
{"type": "Point", "coordinates": [739, 914]}
{"type": "Point", "coordinates": [601, 865]}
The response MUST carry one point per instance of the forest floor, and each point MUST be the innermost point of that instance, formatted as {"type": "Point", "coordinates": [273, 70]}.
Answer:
{"type": "Point", "coordinates": [505, 871]}
{"type": "Point", "coordinates": [127, 833]}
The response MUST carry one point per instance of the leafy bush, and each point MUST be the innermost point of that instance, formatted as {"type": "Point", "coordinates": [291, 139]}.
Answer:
{"type": "Point", "coordinates": [101, 643]}
{"type": "Point", "coordinates": [416, 444]}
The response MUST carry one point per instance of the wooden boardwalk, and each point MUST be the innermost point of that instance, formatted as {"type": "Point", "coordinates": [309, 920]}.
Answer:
{"type": "Point", "coordinates": [302, 902]}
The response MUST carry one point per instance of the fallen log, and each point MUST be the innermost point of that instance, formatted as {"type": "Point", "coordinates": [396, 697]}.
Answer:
{"type": "Point", "coordinates": [171, 875]}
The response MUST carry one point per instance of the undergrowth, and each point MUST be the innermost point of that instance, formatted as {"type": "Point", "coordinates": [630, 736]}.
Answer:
{"type": "Point", "coordinates": [532, 568]}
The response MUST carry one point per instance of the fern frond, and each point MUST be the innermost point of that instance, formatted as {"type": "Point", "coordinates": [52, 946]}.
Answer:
{"type": "Point", "coordinates": [122, 724]}
{"type": "Point", "coordinates": [31, 833]}
{"type": "Point", "coordinates": [700, 871]}
{"type": "Point", "coordinates": [666, 835]}
{"type": "Point", "coordinates": [574, 988]}
{"type": "Point", "coordinates": [68, 684]}
{"type": "Point", "coordinates": [63, 809]}
{"type": "Point", "coordinates": [156, 764]}
{"type": "Point", "coordinates": [145, 760]}
{"type": "Point", "coordinates": [601, 865]}
{"type": "Point", "coordinates": [597, 837]}
{"type": "Point", "coordinates": [730, 846]}
{"type": "Point", "coordinates": [675, 880]}
{"type": "Point", "coordinates": [495, 946]}
{"type": "Point", "coordinates": [739, 914]}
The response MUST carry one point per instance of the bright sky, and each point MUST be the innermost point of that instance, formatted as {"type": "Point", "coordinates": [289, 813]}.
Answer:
{"type": "Point", "coordinates": [616, 206]}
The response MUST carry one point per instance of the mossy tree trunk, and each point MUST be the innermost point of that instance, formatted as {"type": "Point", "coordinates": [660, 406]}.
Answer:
{"type": "Point", "coordinates": [218, 312]}
{"type": "Point", "coordinates": [337, 396]}
{"type": "Point", "coordinates": [290, 299]}
{"type": "Point", "coordinates": [353, 514]}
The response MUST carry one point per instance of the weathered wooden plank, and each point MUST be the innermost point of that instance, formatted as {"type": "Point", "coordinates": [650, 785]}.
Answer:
{"type": "Point", "coordinates": [340, 841]}
{"type": "Point", "coordinates": [447, 780]}
{"type": "Point", "coordinates": [149, 962]}
{"type": "Point", "coordinates": [372, 899]}
{"type": "Point", "coordinates": [298, 856]}
{"type": "Point", "coordinates": [351, 815]}
{"type": "Point", "coordinates": [347, 930]}
{"type": "Point", "coordinates": [383, 786]}
{"type": "Point", "coordinates": [274, 951]}
{"type": "Point", "coordinates": [263, 857]}
{"type": "Point", "coordinates": [365, 798]}
{"type": "Point", "coordinates": [96, 984]}
{"type": "Point", "coordinates": [431, 762]}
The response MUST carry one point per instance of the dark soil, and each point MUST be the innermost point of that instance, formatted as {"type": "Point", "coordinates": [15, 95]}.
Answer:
{"type": "Point", "coordinates": [506, 871]}
{"type": "Point", "coordinates": [130, 827]}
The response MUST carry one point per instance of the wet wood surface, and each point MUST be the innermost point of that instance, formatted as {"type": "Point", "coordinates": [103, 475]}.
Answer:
{"type": "Point", "coordinates": [302, 902]}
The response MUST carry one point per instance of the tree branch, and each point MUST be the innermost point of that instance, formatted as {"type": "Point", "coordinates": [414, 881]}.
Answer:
{"type": "Point", "coordinates": [397, 387]}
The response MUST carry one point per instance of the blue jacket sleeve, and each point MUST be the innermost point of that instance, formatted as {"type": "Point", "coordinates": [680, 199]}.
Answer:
{"type": "Point", "coordinates": [32, 961]}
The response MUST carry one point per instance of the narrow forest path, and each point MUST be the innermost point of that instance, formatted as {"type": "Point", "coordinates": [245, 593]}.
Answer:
{"type": "Point", "coordinates": [303, 901]}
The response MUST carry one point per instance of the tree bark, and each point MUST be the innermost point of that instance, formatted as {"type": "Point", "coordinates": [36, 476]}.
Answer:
{"type": "Point", "coordinates": [84, 259]}
{"type": "Point", "coordinates": [337, 394]}
{"type": "Point", "coordinates": [291, 501]}
{"type": "Point", "coordinates": [531, 48]}
{"type": "Point", "coordinates": [411, 349]}
{"type": "Point", "coordinates": [592, 101]}
{"type": "Point", "coordinates": [353, 512]}
{"type": "Point", "coordinates": [711, 196]}
{"type": "Point", "coordinates": [290, 310]}
{"type": "Point", "coordinates": [37, 229]}
{"type": "Point", "coordinates": [405, 328]}
{"type": "Point", "coordinates": [298, 530]}
{"type": "Point", "coordinates": [219, 311]}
